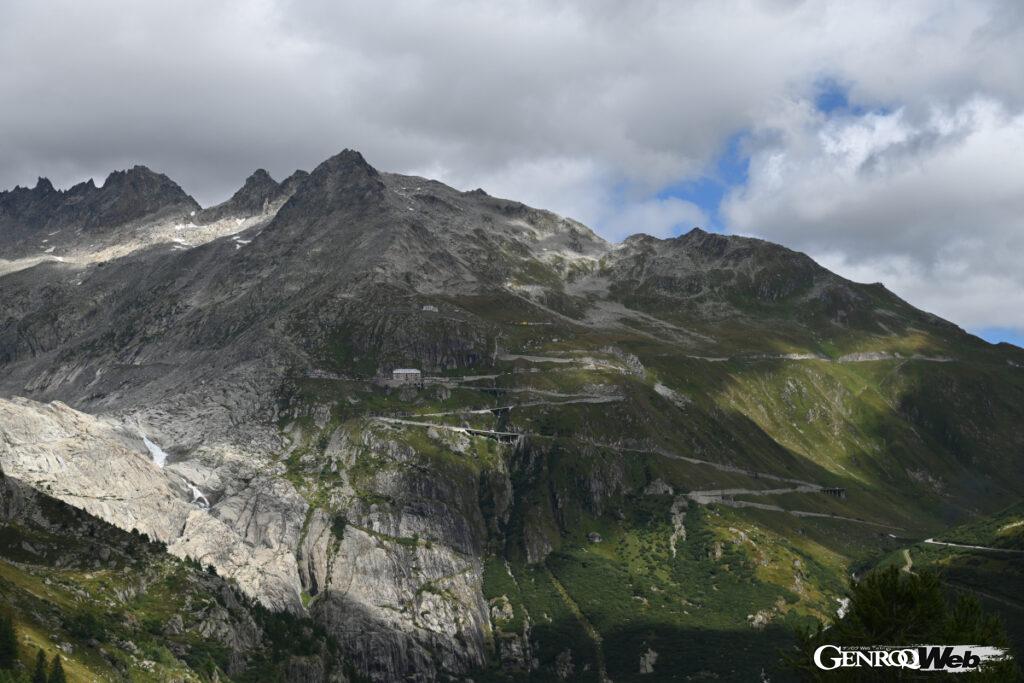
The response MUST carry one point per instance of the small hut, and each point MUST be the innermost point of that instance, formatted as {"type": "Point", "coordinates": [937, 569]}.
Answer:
{"type": "Point", "coordinates": [403, 376]}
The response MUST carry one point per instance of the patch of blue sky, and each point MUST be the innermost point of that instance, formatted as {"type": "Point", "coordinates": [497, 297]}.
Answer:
{"type": "Point", "coordinates": [994, 335]}
{"type": "Point", "coordinates": [730, 170]}
{"type": "Point", "coordinates": [832, 98]}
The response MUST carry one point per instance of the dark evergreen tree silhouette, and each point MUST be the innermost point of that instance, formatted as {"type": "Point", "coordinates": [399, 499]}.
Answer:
{"type": "Point", "coordinates": [57, 671]}
{"type": "Point", "coordinates": [8, 642]}
{"type": "Point", "coordinates": [892, 607]}
{"type": "Point", "coordinates": [39, 673]}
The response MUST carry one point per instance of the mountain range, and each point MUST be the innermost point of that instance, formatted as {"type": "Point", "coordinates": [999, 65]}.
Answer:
{"type": "Point", "coordinates": [649, 460]}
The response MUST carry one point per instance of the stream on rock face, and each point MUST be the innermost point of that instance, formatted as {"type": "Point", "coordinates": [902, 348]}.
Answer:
{"type": "Point", "coordinates": [159, 456]}
{"type": "Point", "coordinates": [198, 497]}
{"type": "Point", "coordinates": [160, 459]}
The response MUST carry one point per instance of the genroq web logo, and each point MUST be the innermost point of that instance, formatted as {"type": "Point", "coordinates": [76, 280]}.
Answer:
{"type": "Point", "coordinates": [949, 658]}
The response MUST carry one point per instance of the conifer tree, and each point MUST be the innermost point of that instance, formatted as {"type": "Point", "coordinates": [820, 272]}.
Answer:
{"type": "Point", "coordinates": [891, 607]}
{"type": "Point", "coordinates": [57, 671]}
{"type": "Point", "coordinates": [8, 642]}
{"type": "Point", "coordinates": [39, 673]}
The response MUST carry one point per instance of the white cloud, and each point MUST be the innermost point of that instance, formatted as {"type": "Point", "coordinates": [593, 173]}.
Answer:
{"type": "Point", "coordinates": [585, 107]}
{"type": "Point", "coordinates": [548, 182]}
{"type": "Point", "coordinates": [933, 207]}
{"type": "Point", "coordinates": [954, 289]}
{"type": "Point", "coordinates": [648, 89]}
{"type": "Point", "coordinates": [568, 184]}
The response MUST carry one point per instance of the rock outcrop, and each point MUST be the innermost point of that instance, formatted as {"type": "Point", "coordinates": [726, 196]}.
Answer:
{"type": "Point", "coordinates": [249, 534]}
{"type": "Point", "coordinates": [259, 195]}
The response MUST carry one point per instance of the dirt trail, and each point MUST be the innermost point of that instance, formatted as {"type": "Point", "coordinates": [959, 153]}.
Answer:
{"type": "Point", "coordinates": [535, 359]}
{"type": "Point", "coordinates": [860, 357]}
{"type": "Point", "coordinates": [552, 394]}
{"type": "Point", "coordinates": [726, 497]}
{"type": "Point", "coordinates": [799, 513]}
{"type": "Point", "coordinates": [908, 562]}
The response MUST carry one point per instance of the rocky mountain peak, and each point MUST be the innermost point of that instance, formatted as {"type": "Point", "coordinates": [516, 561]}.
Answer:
{"type": "Point", "coordinates": [639, 241]}
{"type": "Point", "coordinates": [708, 243]}
{"type": "Point", "coordinates": [83, 187]}
{"type": "Point", "coordinates": [136, 193]}
{"type": "Point", "coordinates": [346, 161]}
{"type": "Point", "coordinates": [344, 181]}
{"type": "Point", "coordinates": [260, 175]}
{"type": "Point", "coordinates": [296, 177]}
{"type": "Point", "coordinates": [292, 182]}
{"type": "Point", "coordinates": [250, 199]}
{"type": "Point", "coordinates": [149, 187]}
{"type": "Point", "coordinates": [126, 196]}
{"type": "Point", "coordinates": [259, 185]}
{"type": "Point", "coordinates": [258, 195]}
{"type": "Point", "coordinates": [137, 174]}
{"type": "Point", "coordinates": [347, 169]}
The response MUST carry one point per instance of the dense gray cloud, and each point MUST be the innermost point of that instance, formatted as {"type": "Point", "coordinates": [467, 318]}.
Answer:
{"type": "Point", "coordinates": [589, 108]}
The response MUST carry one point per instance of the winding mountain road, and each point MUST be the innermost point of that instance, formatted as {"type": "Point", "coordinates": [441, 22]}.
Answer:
{"type": "Point", "coordinates": [573, 399]}
{"type": "Point", "coordinates": [712, 496]}
{"type": "Point", "coordinates": [932, 541]}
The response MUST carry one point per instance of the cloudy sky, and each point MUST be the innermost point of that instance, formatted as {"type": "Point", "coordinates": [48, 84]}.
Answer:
{"type": "Point", "coordinates": [885, 139]}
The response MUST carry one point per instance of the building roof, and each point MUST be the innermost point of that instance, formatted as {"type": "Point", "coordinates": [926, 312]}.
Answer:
{"type": "Point", "coordinates": [405, 371]}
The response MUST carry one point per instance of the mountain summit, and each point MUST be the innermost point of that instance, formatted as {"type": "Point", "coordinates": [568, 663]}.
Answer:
{"type": "Point", "coordinates": [29, 217]}
{"type": "Point", "coordinates": [253, 198]}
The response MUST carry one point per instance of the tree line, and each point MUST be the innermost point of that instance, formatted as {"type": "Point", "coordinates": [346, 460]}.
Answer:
{"type": "Point", "coordinates": [42, 672]}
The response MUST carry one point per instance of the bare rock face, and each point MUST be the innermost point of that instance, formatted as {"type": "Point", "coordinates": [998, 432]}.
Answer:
{"type": "Point", "coordinates": [400, 584]}
{"type": "Point", "coordinates": [312, 669]}
{"type": "Point", "coordinates": [103, 468]}
{"type": "Point", "coordinates": [260, 194]}
{"type": "Point", "coordinates": [209, 610]}
{"type": "Point", "coordinates": [399, 588]}
{"type": "Point", "coordinates": [74, 539]}
{"type": "Point", "coordinates": [647, 661]}
{"type": "Point", "coordinates": [90, 464]}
